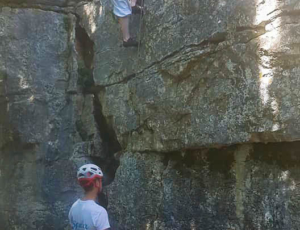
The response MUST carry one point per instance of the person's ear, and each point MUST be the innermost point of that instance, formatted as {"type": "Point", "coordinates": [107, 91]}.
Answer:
{"type": "Point", "coordinates": [98, 183]}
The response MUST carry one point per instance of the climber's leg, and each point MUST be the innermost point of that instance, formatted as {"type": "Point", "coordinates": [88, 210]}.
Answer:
{"type": "Point", "coordinates": [127, 40]}
{"type": "Point", "coordinates": [124, 23]}
{"type": "Point", "coordinates": [122, 9]}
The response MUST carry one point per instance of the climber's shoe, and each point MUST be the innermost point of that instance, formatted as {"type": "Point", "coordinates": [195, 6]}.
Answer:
{"type": "Point", "coordinates": [138, 10]}
{"type": "Point", "coordinates": [131, 42]}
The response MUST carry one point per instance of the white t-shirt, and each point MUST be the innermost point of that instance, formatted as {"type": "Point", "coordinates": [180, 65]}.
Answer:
{"type": "Point", "coordinates": [87, 215]}
{"type": "Point", "coordinates": [122, 8]}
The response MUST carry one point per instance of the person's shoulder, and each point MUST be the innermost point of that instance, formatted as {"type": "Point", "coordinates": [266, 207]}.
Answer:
{"type": "Point", "coordinates": [73, 207]}
{"type": "Point", "coordinates": [75, 203]}
{"type": "Point", "coordinates": [98, 208]}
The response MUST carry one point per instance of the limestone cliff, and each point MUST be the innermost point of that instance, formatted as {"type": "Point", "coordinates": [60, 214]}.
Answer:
{"type": "Point", "coordinates": [197, 129]}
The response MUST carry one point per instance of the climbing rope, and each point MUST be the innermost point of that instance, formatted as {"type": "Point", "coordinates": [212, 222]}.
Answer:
{"type": "Point", "coordinates": [140, 29]}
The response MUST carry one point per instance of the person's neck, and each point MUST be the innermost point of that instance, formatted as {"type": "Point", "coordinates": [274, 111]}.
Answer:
{"type": "Point", "coordinates": [90, 196]}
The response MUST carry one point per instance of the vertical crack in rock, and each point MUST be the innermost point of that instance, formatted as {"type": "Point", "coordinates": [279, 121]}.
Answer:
{"type": "Point", "coordinates": [4, 134]}
{"type": "Point", "coordinates": [110, 144]}
{"type": "Point", "coordinates": [85, 49]}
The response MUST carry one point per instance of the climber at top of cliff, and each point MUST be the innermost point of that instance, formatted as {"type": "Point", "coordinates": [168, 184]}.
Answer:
{"type": "Point", "coordinates": [85, 214]}
{"type": "Point", "coordinates": [123, 9]}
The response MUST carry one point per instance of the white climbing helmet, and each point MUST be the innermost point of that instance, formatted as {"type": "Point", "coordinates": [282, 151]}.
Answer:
{"type": "Point", "coordinates": [88, 172]}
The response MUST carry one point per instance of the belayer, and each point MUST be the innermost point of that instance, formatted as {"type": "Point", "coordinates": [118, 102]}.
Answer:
{"type": "Point", "coordinates": [123, 9]}
{"type": "Point", "coordinates": [85, 214]}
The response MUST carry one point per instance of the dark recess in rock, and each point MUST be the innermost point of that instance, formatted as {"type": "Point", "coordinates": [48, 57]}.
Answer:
{"type": "Point", "coordinates": [219, 163]}
{"type": "Point", "coordinates": [85, 49]}
{"type": "Point", "coordinates": [110, 144]}
{"type": "Point", "coordinates": [284, 155]}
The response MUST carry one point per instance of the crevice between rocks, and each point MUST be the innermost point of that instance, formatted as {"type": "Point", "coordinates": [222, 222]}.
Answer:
{"type": "Point", "coordinates": [110, 144]}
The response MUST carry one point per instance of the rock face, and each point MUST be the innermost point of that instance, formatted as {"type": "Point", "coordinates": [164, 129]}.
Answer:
{"type": "Point", "coordinates": [188, 113]}
{"type": "Point", "coordinates": [240, 187]}
{"type": "Point", "coordinates": [210, 74]}
{"type": "Point", "coordinates": [36, 118]}
{"type": "Point", "coordinates": [47, 128]}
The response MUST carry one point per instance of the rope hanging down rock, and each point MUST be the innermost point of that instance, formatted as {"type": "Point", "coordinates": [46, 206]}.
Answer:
{"type": "Point", "coordinates": [140, 29]}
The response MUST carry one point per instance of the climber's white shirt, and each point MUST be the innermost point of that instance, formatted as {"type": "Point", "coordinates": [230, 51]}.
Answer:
{"type": "Point", "coordinates": [122, 8]}
{"type": "Point", "coordinates": [87, 215]}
